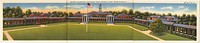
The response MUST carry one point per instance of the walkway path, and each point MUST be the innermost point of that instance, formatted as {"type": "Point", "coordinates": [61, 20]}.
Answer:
{"type": "Point", "coordinates": [147, 33]}
{"type": "Point", "coordinates": [8, 36]}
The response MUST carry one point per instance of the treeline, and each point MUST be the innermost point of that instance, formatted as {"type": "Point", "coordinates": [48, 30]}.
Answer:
{"type": "Point", "coordinates": [188, 19]}
{"type": "Point", "coordinates": [58, 14]}
{"type": "Point", "coordinates": [16, 12]}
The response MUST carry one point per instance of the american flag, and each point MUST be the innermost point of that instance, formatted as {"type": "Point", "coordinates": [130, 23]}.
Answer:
{"type": "Point", "coordinates": [89, 5]}
{"type": "Point", "coordinates": [100, 4]}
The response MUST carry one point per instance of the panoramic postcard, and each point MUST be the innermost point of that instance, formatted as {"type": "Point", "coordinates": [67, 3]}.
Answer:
{"type": "Point", "coordinates": [100, 21]}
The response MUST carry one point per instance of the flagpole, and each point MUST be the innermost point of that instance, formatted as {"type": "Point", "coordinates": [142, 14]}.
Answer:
{"type": "Point", "coordinates": [87, 21]}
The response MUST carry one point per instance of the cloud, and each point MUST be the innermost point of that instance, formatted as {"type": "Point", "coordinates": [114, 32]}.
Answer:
{"type": "Point", "coordinates": [117, 8]}
{"type": "Point", "coordinates": [75, 6]}
{"type": "Point", "coordinates": [181, 7]}
{"type": "Point", "coordinates": [32, 8]}
{"type": "Point", "coordinates": [185, 9]}
{"type": "Point", "coordinates": [167, 8]}
{"type": "Point", "coordinates": [51, 7]}
{"type": "Point", "coordinates": [166, 12]}
{"type": "Point", "coordinates": [147, 8]}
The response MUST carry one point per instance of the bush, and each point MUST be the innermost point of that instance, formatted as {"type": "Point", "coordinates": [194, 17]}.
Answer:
{"type": "Point", "coordinates": [157, 27]}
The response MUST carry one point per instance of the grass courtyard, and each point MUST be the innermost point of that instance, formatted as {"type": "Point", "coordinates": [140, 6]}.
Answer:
{"type": "Point", "coordinates": [76, 31]}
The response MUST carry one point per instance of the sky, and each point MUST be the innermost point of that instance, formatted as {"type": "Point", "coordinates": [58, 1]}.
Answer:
{"type": "Point", "coordinates": [95, 6]}
{"type": "Point", "coordinates": [39, 7]}
{"type": "Point", "coordinates": [174, 8]}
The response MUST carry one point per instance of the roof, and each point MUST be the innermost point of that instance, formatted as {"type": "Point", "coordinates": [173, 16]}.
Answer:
{"type": "Point", "coordinates": [13, 18]}
{"type": "Point", "coordinates": [168, 23]}
{"type": "Point", "coordinates": [110, 15]}
{"type": "Point", "coordinates": [185, 26]}
{"type": "Point", "coordinates": [155, 16]}
{"type": "Point", "coordinates": [180, 25]}
{"type": "Point", "coordinates": [174, 18]}
{"type": "Point", "coordinates": [55, 17]}
{"type": "Point", "coordinates": [169, 17]}
{"type": "Point", "coordinates": [141, 20]}
{"type": "Point", "coordinates": [122, 15]}
{"type": "Point", "coordinates": [30, 18]}
{"type": "Point", "coordinates": [99, 13]}
{"type": "Point", "coordinates": [39, 15]}
{"type": "Point", "coordinates": [97, 17]}
{"type": "Point", "coordinates": [174, 24]}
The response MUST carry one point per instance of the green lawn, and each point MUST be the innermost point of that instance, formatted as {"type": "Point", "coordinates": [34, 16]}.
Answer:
{"type": "Point", "coordinates": [76, 31]}
{"type": "Point", "coordinates": [136, 26]}
{"type": "Point", "coordinates": [167, 36]}
{"type": "Point", "coordinates": [28, 26]}
{"type": "Point", "coordinates": [4, 37]}
{"type": "Point", "coordinates": [18, 27]}
{"type": "Point", "coordinates": [104, 32]}
{"type": "Point", "coordinates": [45, 33]}
{"type": "Point", "coordinates": [173, 37]}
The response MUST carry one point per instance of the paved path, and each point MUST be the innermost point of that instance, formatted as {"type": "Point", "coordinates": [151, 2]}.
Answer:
{"type": "Point", "coordinates": [21, 29]}
{"type": "Point", "coordinates": [147, 33]}
{"type": "Point", "coordinates": [8, 36]}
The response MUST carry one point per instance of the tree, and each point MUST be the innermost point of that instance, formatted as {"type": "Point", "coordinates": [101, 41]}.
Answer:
{"type": "Point", "coordinates": [188, 20]}
{"type": "Point", "coordinates": [114, 13]}
{"type": "Point", "coordinates": [78, 12]}
{"type": "Point", "coordinates": [130, 12]}
{"type": "Point", "coordinates": [28, 12]}
{"type": "Point", "coordinates": [137, 14]}
{"type": "Point", "coordinates": [70, 14]}
{"type": "Point", "coordinates": [193, 18]}
{"type": "Point", "coordinates": [154, 14]}
{"type": "Point", "coordinates": [14, 12]}
{"type": "Point", "coordinates": [175, 15]}
{"type": "Point", "coordinates": [145, 15]}
{"type": "Point", "coordinates": [65, 14]}
{"type": "Point", "coordinates": [184, 18]}
{"type": "Point", "coordinates": [49, 12]}
{"type": "Point", "coordinates": [6, 11]}
{"type": "Point", "coordinates": [9, 13]}
{"type": "Point", "coordinates": [18, 12]}
{"type": "Point", "coordinates": [169, 14]}
{"type": "Point", "coordinates": [124, 11]}
{"type": "Point", "coordinates": [163, 14]}
{"type": "Point", "coordinates": [157, 27]}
